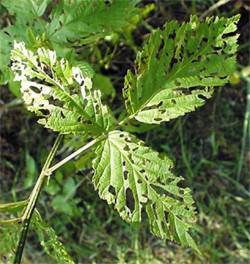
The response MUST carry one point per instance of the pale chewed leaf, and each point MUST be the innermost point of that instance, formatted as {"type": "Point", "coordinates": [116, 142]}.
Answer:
{"type": "Point", "coordinates": [61, 95]}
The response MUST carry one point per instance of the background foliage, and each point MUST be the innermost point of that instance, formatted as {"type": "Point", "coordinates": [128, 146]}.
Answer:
{"type": "Point", "coordinates": [206, 145]}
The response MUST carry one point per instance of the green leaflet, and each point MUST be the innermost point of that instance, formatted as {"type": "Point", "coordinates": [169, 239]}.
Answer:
{"type": "Point", "coordinates": [133, 177]}
{"type": "Point", "coordinates": [176, 63]}
{"type": "Point", "coordinates": [28, 14]}
{"type": "Point", "coordinates": [61, 96]}
{"type": "Point", "coordinates": [49, 240]}
{"type": "Point", "coordinates": [89, 20]}
{"type": "Point", "coordinates": [9, 231]}
{"type": "Point", "coordinates": [9, 236]}
{"type": "Point", "coordinates": [26, 10]}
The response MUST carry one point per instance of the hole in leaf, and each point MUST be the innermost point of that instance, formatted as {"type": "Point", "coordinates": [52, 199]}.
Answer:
{"type": "Point", "coordinates": [111, 189]}
{"type": "Point", "coordinates": [139, 181]}
{"type": "Point", "coordinates": [217, 48]}
{"type": "Point", "coordinates": [142, 171]}
{"type": "Point", "coordinates": [55, 102]}
{"type": "Point", "coordinates": [158, 119]}
{"type": "Point", "coordinates": [154, 209]}
{"type": "Point", "coordinates": [173, 101]}
{"type": "Point", "coordinates": [205, 39]}
{"type": "Point", "coordinates": [44, 111]}
{"type": "Point", "coordinates": [226, 35]}
{"type": "Point", "coordinates": [124, 163]}
{"type": "Point", "coordinates": [160, 49]}
{"type": "Point", "coordinates": [130, 157]}
{"type": "Point", "coordinates": [173, 62]}
{"type": "Point", "coordinates": [172, 36]}
{"type": "Point", "coordinates": [62, 114]}
{"type": "Point", "coordinates": [35, 89]}
{"type": "Point", "coordinates": [166, 214]}
{"type": "Point", "coordinates": [201, 96]}
{"type": "Point", "coordinates": [125, 174]}
{"type": "Point", "coordinates": [48, 71]}
{"type": "Point", "coordinates": [126, 148]}
{"type": "Point", "coordinates": [97, 107]}
{"type": "Point", "coordinates": [130, 202]}
{"type": "Point", "coordinates": [88, 122]}
{"type": "Point", "coordinates": [107, 2]}
{"type": "Point", "coordinates": [158, 189]}
{"type": "Point", "coordinates": [160, 104]}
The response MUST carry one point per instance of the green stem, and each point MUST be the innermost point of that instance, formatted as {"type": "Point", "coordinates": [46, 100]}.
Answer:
{"type": "Point", "coordinates": [11, 221]}
{"type": "Point", "coordinates": [74, 154]}
{"type": "Point", "coordinates": [32, 201]}
{"type": "Point", "coordinates": [12, 206]}
{"type": "Point", "coordinates": [246, 131]}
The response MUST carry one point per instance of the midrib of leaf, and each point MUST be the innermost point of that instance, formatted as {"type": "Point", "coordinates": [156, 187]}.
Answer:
{"type": "Point", "coordinates": [169, 78]}
{"type": "Point", "coordinates": [75, 19]}
{"type": "Point", "coordinates": [188, 62]}
{"type": "Point", "coordinates": [33, 7]}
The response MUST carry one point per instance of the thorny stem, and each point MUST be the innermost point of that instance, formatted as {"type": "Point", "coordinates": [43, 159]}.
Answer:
{"type": "Point", "coordinates": [32, 201]}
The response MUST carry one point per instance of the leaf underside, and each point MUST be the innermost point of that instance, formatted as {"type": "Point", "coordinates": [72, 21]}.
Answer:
{"type": "Point", "coordinates": [135, 178]}
{"type": "Point", "coordinates": [178, 67]}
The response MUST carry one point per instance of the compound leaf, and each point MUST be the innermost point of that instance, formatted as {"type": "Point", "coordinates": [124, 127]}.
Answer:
{"type": "Point", "coordinates": [61, 96]}
{"type": "Point", "coordinates": [134, 178]}
{"type": "Point", "coordinates": [178, 66]}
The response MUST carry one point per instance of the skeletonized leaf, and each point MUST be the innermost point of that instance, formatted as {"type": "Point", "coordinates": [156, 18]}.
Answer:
{"type": "Point", "coordinates": [178, 66]}
{"type": "Point", "coordinates": [133, 177]}
{"type": "Point", "coordinates": [62, 96]}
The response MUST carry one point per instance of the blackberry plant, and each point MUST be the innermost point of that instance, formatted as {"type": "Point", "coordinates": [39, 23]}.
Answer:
{"type": "Point", "coordinates": [175, 72]}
